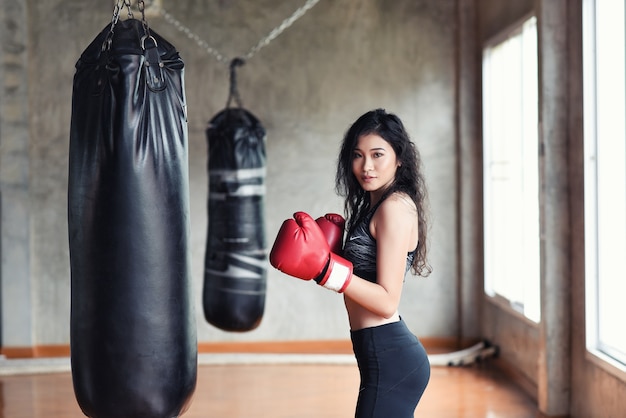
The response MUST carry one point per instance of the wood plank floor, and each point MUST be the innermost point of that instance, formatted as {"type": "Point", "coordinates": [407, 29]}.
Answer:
{"type": "Point", "coordinates": [286, 391]}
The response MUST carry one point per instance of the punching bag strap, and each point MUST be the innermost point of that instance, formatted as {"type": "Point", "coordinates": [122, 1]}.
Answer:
{"type": "Point", "coordinates": [234, 92]}
{"type": "Point", "coordinates": [153, 64]}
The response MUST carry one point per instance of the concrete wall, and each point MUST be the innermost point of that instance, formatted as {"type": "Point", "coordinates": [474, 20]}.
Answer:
{"type": "Point", "coordinates": [338, 61]}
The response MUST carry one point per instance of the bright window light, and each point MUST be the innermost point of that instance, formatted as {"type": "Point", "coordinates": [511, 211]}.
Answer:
{"type": "Point", "coordinates": [511, 169]}
{"type": "Point", "coordinates": [605, 176]}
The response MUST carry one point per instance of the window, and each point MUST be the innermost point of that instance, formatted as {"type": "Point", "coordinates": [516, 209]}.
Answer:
{"type": "Point", "coordinates": [511, 169]}
{"type": "Point", "coordinates": [605, 176]}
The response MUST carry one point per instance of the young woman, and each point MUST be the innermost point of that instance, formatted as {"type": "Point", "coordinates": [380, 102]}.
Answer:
{"type": "Point", "coordinates": [379, 175]}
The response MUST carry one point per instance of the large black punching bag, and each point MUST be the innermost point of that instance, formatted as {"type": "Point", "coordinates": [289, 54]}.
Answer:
{"type": "Point", "coordinates": [132, 326]}
{"type": "Point", "coordinates": [235, 259]}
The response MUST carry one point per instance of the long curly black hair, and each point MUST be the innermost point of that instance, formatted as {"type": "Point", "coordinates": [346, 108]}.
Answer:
{"type": "Point", "coordinates": [409, 178]}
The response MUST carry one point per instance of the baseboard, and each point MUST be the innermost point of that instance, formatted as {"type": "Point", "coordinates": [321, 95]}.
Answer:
{"type": "Point", "coordinates": [278, 347]}
{"type": "Point", "coordinates": [431, 344]}
{"type": "Point", "coordinates": [40, 351]}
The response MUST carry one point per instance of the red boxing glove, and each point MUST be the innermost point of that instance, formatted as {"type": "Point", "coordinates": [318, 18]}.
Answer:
{"type": "Point", "coordinates": [301, 251]}
{"type": "Point", "coordinates": [332, 225]}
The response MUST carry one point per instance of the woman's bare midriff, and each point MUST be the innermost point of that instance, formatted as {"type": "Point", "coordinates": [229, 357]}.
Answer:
{"type": "Point", "coordinates": [360, 317]}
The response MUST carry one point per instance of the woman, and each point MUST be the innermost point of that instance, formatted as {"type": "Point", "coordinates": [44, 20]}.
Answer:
{"type": "Point", "coordinates": [379, 176]}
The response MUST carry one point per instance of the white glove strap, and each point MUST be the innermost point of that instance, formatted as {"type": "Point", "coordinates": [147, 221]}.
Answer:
{"type": "Point", "coordinates": [338, 274]}
{"type": "Point", "coordinates": [338, 277]}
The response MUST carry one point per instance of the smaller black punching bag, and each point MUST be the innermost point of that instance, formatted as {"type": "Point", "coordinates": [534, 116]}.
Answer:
{"type": "Point", "coordinates": [235, 260]}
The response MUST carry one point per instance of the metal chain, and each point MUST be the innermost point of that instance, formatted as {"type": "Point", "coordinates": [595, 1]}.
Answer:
{"type": "Point", "coordinates": [129, 8]}
{"type": "Point", "coordinates": [202, 44]}
{"type": "Point", "coordinates": [119, 5]}
{"type": "Point", "coordinates": [280, 28]}
{"type": "Point", "coordinates": [142, 8]}
{"type": "Point", "coordinates": [262, 43]}
{"type": "Point", "coordinates": [116, 12]}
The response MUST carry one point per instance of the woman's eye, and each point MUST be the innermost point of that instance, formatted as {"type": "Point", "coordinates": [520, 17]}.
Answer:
{"type": "Point", "coordinates": [356, 155]}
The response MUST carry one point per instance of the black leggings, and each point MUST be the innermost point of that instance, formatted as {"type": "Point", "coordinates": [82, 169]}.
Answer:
{"type": "Point", "coordinates": [394, 371]}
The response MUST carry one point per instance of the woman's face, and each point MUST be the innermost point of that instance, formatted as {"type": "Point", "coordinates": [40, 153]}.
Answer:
{"type": "Point", "coordinates": [374, 163]}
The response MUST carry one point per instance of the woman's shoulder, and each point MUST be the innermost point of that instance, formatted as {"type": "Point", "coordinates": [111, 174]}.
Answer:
{"type": "Point", "coordinates": [396, 217]}
{"type": "Point", "coordinates": [397, 208]}
{"type": "Point", "coordinates": [398, 201]}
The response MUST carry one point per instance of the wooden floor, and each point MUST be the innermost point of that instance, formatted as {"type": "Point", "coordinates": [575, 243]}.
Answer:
{"type": "Point", "coordinates": [286, 391]}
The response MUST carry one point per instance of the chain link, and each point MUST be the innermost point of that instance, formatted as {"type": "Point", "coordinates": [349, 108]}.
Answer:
{"type": "Point", "coordinates": [202, 44]}
{"type": "Point", "coordinates": [142, 8]}
{"type": "Point", "coordinates": [281, 28]}
{"type": "Point", "coordinates": [128, 8]}
{"type": "Point", "coordinates": [274, 33]}
{"type": "Point", "coordinates": [116, 17]}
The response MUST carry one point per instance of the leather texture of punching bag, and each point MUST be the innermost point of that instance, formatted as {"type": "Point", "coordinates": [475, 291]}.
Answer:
{"type": "Point", "coordinates": [235, 260]}
{"type": "Point", "coordinates": [132, 327]}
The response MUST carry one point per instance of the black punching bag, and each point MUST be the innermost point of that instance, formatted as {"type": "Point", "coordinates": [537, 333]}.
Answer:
{"type": "Point", "coordinates": [235, 259]}
{"type": "Point", "coordinates": [132, 326]}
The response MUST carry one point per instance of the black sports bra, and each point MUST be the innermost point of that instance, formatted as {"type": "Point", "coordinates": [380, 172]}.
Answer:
{"type": "Point", "coordinates": [360, 249]}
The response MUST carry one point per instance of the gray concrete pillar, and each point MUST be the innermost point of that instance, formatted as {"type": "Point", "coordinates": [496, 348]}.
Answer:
{"type": "Point", "coordinates": [554, 357]}
{"type": "Point", "coordinates": [15, 295]}
{"type": "Point", "coordinates": [469, 154]}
